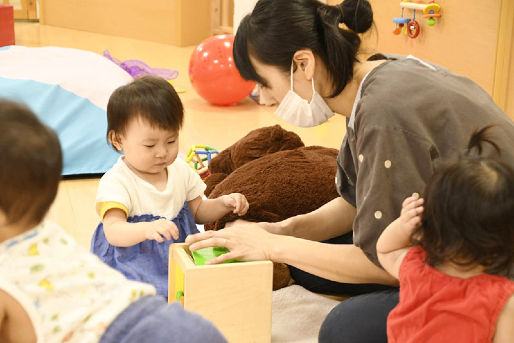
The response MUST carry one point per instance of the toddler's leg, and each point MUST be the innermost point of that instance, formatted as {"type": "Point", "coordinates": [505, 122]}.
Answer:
{"type": "Point", "coordinates": [151, 319]}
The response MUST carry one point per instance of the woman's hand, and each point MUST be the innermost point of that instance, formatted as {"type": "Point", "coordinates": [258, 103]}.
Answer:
{"type": "Point", "coordinates": [246, 243]}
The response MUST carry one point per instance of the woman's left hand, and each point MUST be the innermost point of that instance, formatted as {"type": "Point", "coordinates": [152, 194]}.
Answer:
{"type": "Point", "coordinates": [247, 242]}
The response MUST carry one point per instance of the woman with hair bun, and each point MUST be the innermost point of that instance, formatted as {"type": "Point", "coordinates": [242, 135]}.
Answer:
{"type": "Point", "coordinates": [405, 117]}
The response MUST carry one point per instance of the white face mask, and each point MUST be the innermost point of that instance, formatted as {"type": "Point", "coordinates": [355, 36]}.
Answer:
{"type": "Point", "coordinates": [298, 111]}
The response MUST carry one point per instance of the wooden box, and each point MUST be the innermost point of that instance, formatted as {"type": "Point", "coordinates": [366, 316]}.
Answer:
{"type": "Point", "coordinates": [236, 297]}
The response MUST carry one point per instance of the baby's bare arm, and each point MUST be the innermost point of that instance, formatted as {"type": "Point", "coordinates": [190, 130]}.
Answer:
{"type": "Point", "coordinates": [15, 324]}
{"type": "Point", "coordinates": [394, 242]}
{"type": "Point", "coordinates": [121, 233]}
{"type": "Point", "coordinates": [209, 210]}
{"type": "Point", "coordinates": [504, 328]}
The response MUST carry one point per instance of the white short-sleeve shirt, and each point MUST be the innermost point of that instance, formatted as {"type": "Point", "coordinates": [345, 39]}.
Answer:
{"type": "Point", "coordinates": [121, 185]}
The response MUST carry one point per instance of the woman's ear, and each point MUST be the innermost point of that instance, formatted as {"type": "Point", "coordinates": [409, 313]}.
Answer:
{"type": "Point", "coordinates": [115, 140]}
{"type": "Point", "coordinates": [305, 61]}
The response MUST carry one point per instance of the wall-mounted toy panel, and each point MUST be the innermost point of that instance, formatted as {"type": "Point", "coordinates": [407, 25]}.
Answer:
{"type": "Point", "coordinates": [409, 25]}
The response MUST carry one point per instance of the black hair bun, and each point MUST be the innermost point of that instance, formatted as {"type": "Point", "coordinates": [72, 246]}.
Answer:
{"type": "Point", "coordinates": [357, 15]}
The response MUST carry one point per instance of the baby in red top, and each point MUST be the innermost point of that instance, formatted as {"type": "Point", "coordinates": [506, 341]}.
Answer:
{"type": "Point", "coordinates": [453, 253]}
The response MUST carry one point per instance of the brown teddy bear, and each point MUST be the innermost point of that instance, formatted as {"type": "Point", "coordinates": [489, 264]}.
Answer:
{"type": "Point", "coordinates": [279, 176]}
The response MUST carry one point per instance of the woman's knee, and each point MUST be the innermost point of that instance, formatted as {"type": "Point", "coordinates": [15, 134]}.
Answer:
{"type": "Point", "coordinates": [359, 319]}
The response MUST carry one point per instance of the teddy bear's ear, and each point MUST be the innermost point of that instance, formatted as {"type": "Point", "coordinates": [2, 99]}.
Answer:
{"type": "Point", "coordinates": [280, 139]}
{"type": "Point", "coordinates": [261, 142]}
{"type": "Point", "coordinates": [212, 180]}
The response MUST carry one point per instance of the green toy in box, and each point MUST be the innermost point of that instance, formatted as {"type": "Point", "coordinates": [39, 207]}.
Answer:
{"type": "Point", "coordinates": [203, 255]}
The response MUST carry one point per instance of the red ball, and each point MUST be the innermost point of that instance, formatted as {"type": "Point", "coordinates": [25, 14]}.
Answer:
{"type": "Point", "coordinates": [214, 75]}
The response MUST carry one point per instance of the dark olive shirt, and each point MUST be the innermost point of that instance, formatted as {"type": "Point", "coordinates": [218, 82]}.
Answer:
{"type": "Point", "coordinates": [408, 118]}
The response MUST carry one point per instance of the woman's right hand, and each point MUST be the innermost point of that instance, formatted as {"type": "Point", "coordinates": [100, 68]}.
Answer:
{"type": "Point", "coordinates": [160, 228]}
{"type": "Point", "coordinates": [248, 242]}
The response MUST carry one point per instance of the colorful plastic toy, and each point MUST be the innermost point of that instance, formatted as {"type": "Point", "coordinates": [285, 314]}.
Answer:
{"type": "Point", "coordinates": [412, 28]}
{"type": "Point", "coordinates": [400, 24]}
{"type": "Point", "coordinates": [431, 11]}
{"type": "Point", "coordinates": [214, 75]}
{"type": "Point", "coordinates": [199, 157]}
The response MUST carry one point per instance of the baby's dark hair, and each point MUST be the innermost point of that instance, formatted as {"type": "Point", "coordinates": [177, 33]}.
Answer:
{"type": "Point", "coordinates": [30, 165]}
{"type": "Point", "coordinates": [469, 211]}
{"type": "Point", "coordinates": [151, 98]}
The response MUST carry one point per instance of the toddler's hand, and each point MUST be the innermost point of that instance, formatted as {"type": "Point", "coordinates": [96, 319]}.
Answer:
{"type": "Point", "coordinates": [158, 229]}
{"type": "Point", "coordinates": [236, 202]}
{"type": "Point", "coordinates": [412, 208]}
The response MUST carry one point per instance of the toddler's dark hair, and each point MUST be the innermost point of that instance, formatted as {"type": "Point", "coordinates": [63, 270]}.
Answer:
{"type": "Point", "coordinates": [150, 98]}
{"type": "Point", "coordinates": [30, 165]}
{"type": "Point", "coordinates": [469, 212]}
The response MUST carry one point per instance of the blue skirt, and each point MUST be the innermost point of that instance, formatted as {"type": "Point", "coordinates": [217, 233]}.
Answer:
{"type": "Point", "coordinates": [148, 260]}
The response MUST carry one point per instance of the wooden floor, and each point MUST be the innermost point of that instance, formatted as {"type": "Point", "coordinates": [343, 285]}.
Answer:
{"type": "Point", "coordinates": [219, 127]}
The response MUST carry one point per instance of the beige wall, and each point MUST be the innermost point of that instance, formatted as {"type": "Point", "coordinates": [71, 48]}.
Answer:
{"type": "Point", "coordinates": [456, 41]}
{"type": "Point", "coordinates": [470, 37]}
{"type": "Point", "coordinates": [177, 22]}
{"type": "Point", "coordinates": [465, 40]}
{"type": "Point", "coordinates": [504, 76]}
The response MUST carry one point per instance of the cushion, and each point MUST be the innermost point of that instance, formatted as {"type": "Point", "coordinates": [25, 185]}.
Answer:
{"type": "Point", "coordinates": [68, 89]}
